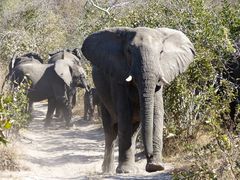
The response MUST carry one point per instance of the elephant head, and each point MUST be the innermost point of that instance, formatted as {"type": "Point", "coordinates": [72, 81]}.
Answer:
{"type": "Point", "coordinates": [69, 68]}
{"type": "Point", "coordinates": [148, 57]}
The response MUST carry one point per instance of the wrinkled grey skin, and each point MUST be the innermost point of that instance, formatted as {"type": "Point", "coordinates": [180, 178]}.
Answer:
{"type": "Point", "coordinates": [72, 94]}
{"type": "Point", "coordinates": [91, 100]}
{"type": "Point", "coordinates": [130, 68]}
{"type": "Point", "coordinates": [52, 82]}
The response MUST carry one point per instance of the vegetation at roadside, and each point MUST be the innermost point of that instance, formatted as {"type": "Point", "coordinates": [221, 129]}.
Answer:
{"type": "Point", "coordinates": [196, 103]}
{"type": "Point", "coordinates": [13, 112]}
{"type": "Point", "coordinates": [8, 159]}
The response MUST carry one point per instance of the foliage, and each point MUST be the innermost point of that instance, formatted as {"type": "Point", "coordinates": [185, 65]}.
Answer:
{"type": "Point", "coordinates": [28, 26]}
{"type": "Point", "coordinates": [13, 111]}
{"type": "Point", "coordinates": [218, 159]}
{"type": "Point", "coordinates": [8, 159]}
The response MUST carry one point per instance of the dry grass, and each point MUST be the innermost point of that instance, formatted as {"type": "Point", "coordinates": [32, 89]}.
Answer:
{"type": "Point", "coordinates": [8, 159]}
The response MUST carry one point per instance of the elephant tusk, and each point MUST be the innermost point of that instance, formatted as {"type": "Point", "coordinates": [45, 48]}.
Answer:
{"type": "Point", "coordinates": [164, 81]}
{"type": "Point", "coordinates": [129, 78]}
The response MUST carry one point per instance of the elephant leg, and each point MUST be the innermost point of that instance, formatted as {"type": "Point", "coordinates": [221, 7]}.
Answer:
{"type": "Point", "coordinates": [50, 111]}
{"type": "Point", "coordinates": [74, 98]}
{"type": "Point", "coordinates": [30, 107]}
{"type": "Point", "coordinates": [86, 107]}
{"type": "Point", "coordinates": [91, 113]}
{"type": "Point", "coordinates": [110, 132]}
{"type": "Point", "coordinates": [62, 98]}
{"type": "Point", "coordinates": [154, 164]}
{"type": "Point", "coordinates": [127, 151]}
{"type": "Point", "coordinates": [126, 137]}
{"type": "Point", "coordinates": [85, 113]}
{"type": "Point", "coordinates": [58, 112]}
{"type": "Point", "coordinates": [66, 109]}
{"type": "Point", "coordinates": [98, 111]}
{"type": "Point", "coordinates": [91, 106]}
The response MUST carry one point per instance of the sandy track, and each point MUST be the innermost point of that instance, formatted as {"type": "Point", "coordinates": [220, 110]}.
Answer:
{"type": "Point", "coordinates": [58, 153]}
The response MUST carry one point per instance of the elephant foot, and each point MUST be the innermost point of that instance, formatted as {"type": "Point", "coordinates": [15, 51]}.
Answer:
{"type": "Point", "coordinates": [47, 123]}
{"type": "Point", "coordinates": [153, 167]}
{"type": "Point", "coordinates": [108, 165]}
{"type": "Point", "coordinates": [107, 169]}
{"type": "Point", "coordinates": [68, 125]}
{"type": "Point", "coordinates": [127, 168]}
{"type": "Point", "coordinates": [59, 119]}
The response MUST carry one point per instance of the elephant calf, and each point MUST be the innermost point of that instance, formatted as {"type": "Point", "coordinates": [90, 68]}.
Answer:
{"type": "Point", "coordinates": [91, 100]}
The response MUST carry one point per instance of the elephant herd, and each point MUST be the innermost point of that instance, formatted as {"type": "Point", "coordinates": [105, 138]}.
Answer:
{"type": "Point", "coordinates": [130, 67]}
{"type": "Point", "coordinates": [55, 81]}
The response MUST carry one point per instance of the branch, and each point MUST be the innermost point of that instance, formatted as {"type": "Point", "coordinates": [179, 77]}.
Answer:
{"type": "Point", "coordinates": [114, 5]}
{"type": "Point", "coordinates": [100, 8]}
{"type": "Point", "coordinates": [119, 5]}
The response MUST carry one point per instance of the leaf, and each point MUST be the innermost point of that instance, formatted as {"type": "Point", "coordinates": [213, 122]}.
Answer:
{"type": "Point", "coordinates": [3, 140]}
{"type": "Point", "coordinates": [8, 125]}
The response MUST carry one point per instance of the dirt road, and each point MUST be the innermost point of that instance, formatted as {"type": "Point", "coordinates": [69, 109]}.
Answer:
{"type": "Point", "coordinates": [58, 153]}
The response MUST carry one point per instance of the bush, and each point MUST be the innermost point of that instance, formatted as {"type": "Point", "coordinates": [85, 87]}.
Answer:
{"type": "Point", "coordinates": [8, 159]}
{"type": "Point", "coordinates": [13, 112]}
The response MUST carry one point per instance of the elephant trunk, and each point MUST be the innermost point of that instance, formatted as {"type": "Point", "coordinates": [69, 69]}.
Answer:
{"type": "Point", "coordinates": [147, 90]}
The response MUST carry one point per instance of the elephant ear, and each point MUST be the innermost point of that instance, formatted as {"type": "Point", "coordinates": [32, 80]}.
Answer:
{"type": "Point", "coordinates": [105, 50]}
{"type": "Point", "coordinates": [62, 68]}
{"type": "Point", "coordinates": [176, 54]}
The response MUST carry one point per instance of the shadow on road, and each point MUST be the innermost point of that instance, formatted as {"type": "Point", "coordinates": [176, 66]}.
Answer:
{"type": "Point", "coordinates": [73, 153]}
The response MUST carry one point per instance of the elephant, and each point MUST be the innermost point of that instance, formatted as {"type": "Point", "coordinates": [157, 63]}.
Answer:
{"type": "Point", "coordinates": [130, 66]}
{"type": "Point", "coordinates": [55, 56]}
{"type": "Point", "coordinates": [26, 58]}
{"type": "Point", "coordinates": [91, 100]}
{"type": "Point", "coordinates": [16, 60]}
{"type": "Point", "coordinates": [53, 82]}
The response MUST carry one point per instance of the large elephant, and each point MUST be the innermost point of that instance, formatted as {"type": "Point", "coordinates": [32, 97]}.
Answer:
{"type": "Point", "coordinates": [53, 82]}
{"type": "Point", "coordinates": [130, 68]}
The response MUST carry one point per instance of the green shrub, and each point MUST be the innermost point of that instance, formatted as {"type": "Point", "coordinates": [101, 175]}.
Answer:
{"type": "Point", "coordinates": [13, 111]}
